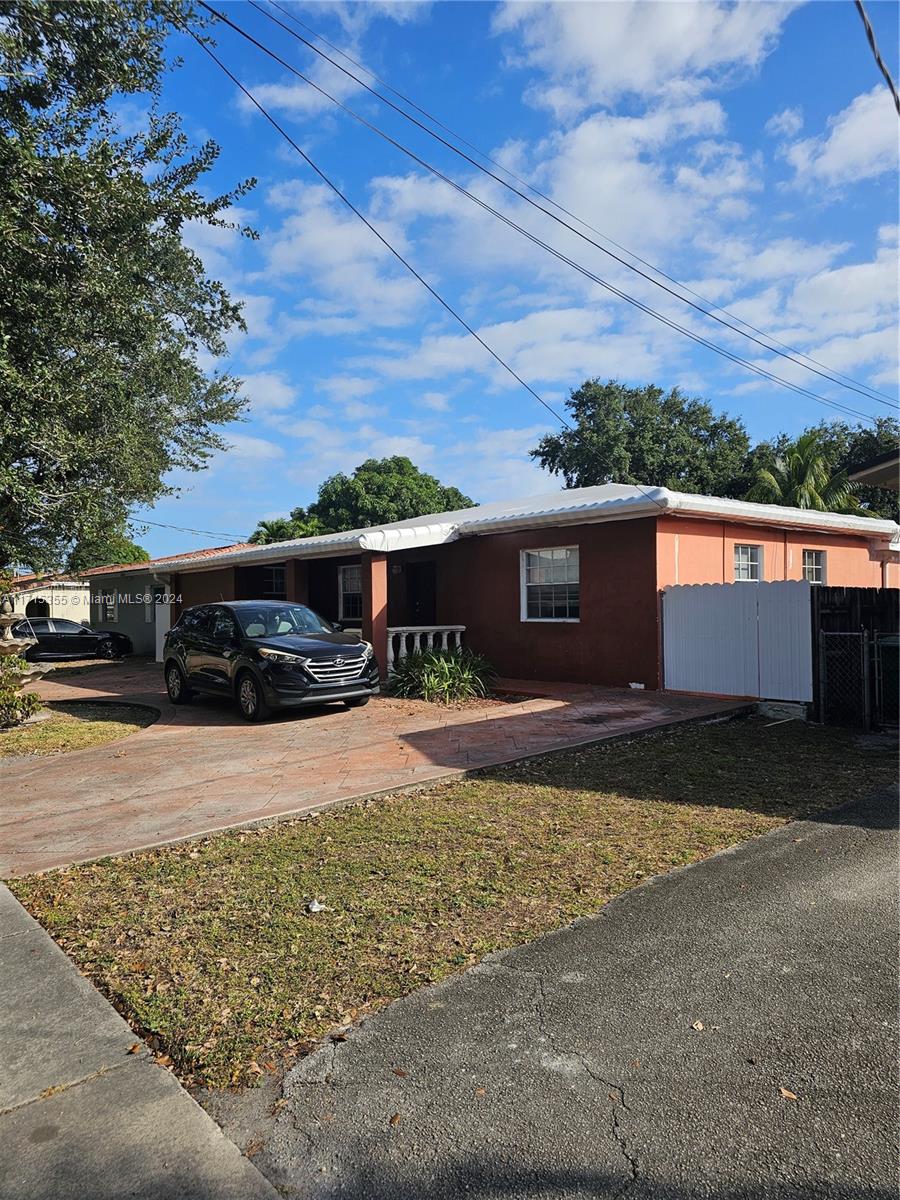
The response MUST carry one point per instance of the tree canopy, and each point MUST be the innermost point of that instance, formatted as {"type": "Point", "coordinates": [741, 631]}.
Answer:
{"type": "Point", "coordinates": [645, 435]}
{"type": "Point", "coordinates": [103, 550]}
{"type": "Point", "coordinates": [380, 490]}
{"type": "Point", "coordinates": [802, 477]}
{"type": "Point", "coordinates": [105, 313]}
{"type": "Point", "coordinates": [843, 449]}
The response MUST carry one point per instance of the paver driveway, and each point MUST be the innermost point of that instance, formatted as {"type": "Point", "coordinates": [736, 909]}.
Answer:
{"type": "Point", "coordinates": [202, 768]}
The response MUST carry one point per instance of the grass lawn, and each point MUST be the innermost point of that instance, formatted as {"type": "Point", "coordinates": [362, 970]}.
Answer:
{"type": "Point", "coordinates": [75, 726]}
{"type": "Point", "coordinates": [208, 946]}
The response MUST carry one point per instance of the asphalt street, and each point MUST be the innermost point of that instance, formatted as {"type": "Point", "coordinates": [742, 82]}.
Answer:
{"type": "Point", "coordinates": [727, 1031]}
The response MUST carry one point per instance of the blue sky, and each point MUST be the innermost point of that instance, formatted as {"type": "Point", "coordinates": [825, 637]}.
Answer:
{"type": "Point", "coordinates": [748, 149]}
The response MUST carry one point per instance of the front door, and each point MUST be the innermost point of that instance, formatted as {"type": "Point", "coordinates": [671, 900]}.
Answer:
{"type": "Point", "coordinates": [421, 593]}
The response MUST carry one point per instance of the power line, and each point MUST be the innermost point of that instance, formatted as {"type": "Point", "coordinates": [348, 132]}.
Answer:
{"type": "Point", "coordinates": [396, 253]}
{"type": "Point", "coordinates": [181, 529]}
{"type": "Point", "coordinates": [882, 67]}
{"type": "Point", "coordinates": [839, 380]}
{"type": "Point", "coordinates": [698, 338]}
{"type": "Point", "coordinates": [561, 208]}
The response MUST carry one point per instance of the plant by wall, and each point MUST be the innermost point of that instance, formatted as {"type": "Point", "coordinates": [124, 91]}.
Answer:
{"type": "Point", "coordinates": [442, 676]}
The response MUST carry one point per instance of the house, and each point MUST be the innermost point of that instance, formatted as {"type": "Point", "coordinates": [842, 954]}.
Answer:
{"type": "Point", "coordinates": [133, 598]}
{"type": "Point", "coordinates": [562, 586]}
{"type": "Point", "coordinates": [65, 597]}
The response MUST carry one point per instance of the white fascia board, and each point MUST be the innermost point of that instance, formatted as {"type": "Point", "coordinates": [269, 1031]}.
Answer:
{"type": "Point", "coordinates": [622, 509]}
{"type": "Point", "coordinates": [744, 511]}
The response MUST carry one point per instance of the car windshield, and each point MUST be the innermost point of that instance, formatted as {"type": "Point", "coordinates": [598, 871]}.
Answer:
{"type": "Point", "coordinates": [269, 621]}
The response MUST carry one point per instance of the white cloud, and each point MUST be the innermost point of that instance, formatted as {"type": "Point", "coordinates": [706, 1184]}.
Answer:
{"type": "Point", "coordinates": [435, 401]}
{"type": "Point", "coordinates": [594, 53]}
{"type": "Point", "coordinates": [246, 450]}
{"type": "Point", "coordinates": [327, 247]}
{"type": "Point", "coordinates": [861, 143]}
{"type": "Point", "coordinates": [786, 123]}
{"type": "Point", "coordinates": [268, 392]}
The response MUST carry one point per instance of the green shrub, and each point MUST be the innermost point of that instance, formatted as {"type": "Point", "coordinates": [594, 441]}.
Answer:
{"type": "Point", "coordinates": [15, 706]}
{"type": "Point", "coordinates": [445, 676]}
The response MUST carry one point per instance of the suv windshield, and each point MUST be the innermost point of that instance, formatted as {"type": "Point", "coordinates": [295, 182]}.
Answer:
{"type": "Point", "coordinates": [267, 621]}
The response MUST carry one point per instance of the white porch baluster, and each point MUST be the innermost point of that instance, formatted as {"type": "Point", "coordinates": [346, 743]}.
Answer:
{"type": "Point", "coordinates": [409, 639]}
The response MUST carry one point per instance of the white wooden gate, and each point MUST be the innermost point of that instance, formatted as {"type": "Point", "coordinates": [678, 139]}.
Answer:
{"type": "Point", "coordinates": [739, 639]}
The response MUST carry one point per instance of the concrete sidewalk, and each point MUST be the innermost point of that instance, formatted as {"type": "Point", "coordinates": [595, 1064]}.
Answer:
{"type": "Point", "coordinates": [81, 1117]}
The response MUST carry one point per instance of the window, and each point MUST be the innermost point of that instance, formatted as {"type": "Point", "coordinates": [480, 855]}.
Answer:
{"type": "Point", "coordinates": [273, 583]}
{"type": "Point", "coordinates": [109, 608]}
{"type": "Point", "coordinates": [223, 627]}
{"type": "Point", "coordinates": [814, 566]}
{"type": "Point", "coordinates": [748, 562]}
{"type": "Point", "coordinates": [550, 587]}
{"type": "Point", "coordinates": [350, 594]}
{"type": "Point", "coordinates": [67, 626]}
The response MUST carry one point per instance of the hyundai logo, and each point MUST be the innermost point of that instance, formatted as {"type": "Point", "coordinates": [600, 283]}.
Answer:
{"type": "Point", "coordinates": [338, 662]}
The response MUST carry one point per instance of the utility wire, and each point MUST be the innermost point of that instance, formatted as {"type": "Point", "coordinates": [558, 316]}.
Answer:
{"type": "Point", "coordinates": [841, 381]}
{"type": "Point", "coordinates": [698, 338]}
{"type": "Point", "coordinates": [882, 67]}
{"type": "Point", "coordinates": [396, 253]}
{"type": "Point", "coordinates": [712, 306]}
{"type": "Point", "coordinates": [181, 529]}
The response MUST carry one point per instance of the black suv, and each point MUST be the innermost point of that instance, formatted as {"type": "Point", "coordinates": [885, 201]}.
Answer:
{"type": "Point", "coordinates": [266, 654]}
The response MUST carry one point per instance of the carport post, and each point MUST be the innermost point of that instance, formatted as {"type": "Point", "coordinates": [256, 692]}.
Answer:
{"type": "Point", "coordinates": [374, 604]}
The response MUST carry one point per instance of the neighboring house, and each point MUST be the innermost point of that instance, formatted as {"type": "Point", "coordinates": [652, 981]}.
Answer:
{"type": "Point", "coordinates": [134, 599]}
{"type": "Point", "coordinates": [560, 586]}
{"type": "Point", "coordinates": [62, 596]}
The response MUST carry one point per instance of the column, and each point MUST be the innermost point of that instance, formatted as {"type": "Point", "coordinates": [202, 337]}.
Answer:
{"type": "Point", "coordinates": [374, 604]}
{"type": "Point", "coordinates": [296, 571]}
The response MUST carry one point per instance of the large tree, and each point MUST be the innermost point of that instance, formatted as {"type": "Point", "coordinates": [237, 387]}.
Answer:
{"type": "Point", "coordinates": [844, 449]}
{"type": "Point", "coordinates": [105, 549]}
{"type": "Point", "coordinates": [106, 315]}
{"type": "Point", "coordinates": [379, 490]}
{"type": "Point", "coordinates": [645, 435]}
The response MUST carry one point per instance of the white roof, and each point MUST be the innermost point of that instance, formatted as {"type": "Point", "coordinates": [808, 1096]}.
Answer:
{"type": "Point", "coordinates": [610, 502]}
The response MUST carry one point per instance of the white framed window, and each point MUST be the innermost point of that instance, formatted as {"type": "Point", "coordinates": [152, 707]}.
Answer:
{"type": "Point", "coordinates": [814, 566]}
{"type": "Point", "coordinates": [550, 586]}
{"type": "Point", "coordinates": [350, 593]}
{"type": "Point", "coordinates": [109, 608]}
{"type": "Point", "coordinates": [748, 564]}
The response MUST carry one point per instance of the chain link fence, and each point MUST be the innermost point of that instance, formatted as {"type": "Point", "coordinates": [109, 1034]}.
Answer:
{"type": "Point", "coordinates": [844, 679]}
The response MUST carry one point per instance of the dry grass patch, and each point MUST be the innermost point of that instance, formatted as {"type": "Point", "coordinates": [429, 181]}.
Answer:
{"type": "Point", "coordinates": [209, 949]}
{"type": "Point", "coordinates": [75, 726]}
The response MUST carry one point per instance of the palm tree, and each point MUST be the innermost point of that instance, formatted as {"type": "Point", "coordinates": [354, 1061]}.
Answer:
{"type": "Point", "coordinates": [802, 478]}
{"type": "Point", "coordinates": [278, 529]}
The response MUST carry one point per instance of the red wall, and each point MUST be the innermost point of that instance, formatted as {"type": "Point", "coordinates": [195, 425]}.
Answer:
{"type": "Point", "coordinates": [615, 642]}
{"type": "Point", "coordinates": [202, 587]}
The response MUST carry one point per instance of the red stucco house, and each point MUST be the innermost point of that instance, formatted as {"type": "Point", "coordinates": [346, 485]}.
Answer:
{"type": "Point", "coordinates": [561, 586]}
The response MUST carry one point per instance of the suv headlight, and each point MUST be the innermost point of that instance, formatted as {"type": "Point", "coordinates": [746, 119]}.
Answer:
{"type": "Point", "coordinates": [282, 656]}
{"type": "Point", "coordinates": [368, 649]}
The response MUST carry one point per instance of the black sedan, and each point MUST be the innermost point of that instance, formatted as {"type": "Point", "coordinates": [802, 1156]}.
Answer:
{"type": "Point", "coordinates": [266, 654]}
{"type": "Point", "coordinates": [67, 639]}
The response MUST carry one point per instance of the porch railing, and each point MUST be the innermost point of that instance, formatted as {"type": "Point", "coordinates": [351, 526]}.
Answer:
{"type": "Point", "coordinates": [408, 639]}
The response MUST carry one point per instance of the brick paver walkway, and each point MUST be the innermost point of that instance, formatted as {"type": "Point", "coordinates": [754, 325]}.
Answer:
{"type": "Point", "coordinates": [202, 768]}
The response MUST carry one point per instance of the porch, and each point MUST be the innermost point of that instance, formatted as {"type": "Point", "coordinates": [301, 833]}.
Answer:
{"type": "Point", "coordinates": [391, 601]}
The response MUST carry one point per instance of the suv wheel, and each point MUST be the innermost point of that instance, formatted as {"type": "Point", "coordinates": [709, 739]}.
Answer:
{"type": "Point", "coordinates": [250, 698]}
{"type": "Point", "coordinates": [179, 692]}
